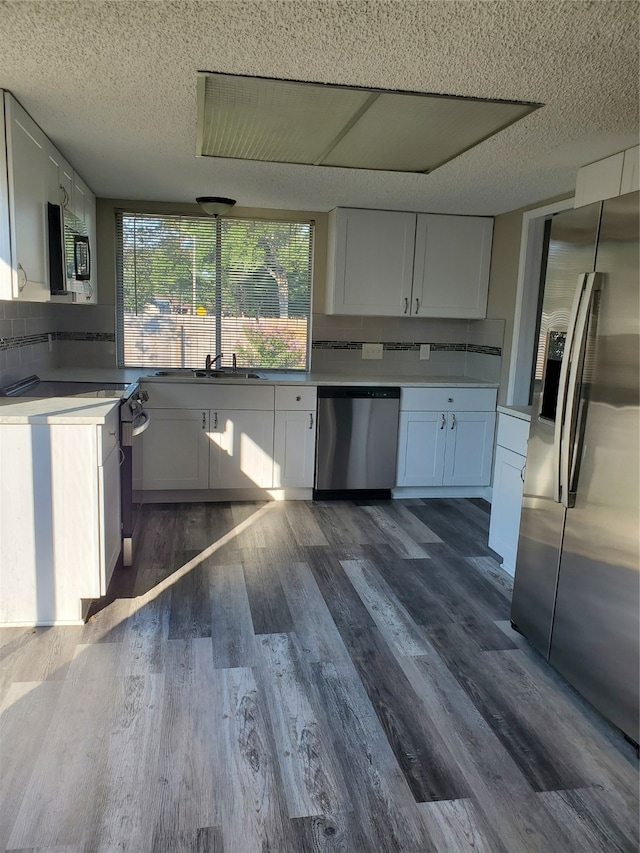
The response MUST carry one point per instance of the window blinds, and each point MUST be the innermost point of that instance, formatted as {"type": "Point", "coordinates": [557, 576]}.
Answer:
{"type": "Point", "coordinates": [188, 286]}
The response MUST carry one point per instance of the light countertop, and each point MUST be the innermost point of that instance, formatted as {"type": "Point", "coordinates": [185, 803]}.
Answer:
{"type": "Point", "coordinates": [70, 410]}
{"type": "Point", "coordinates": [522, 412]}
{"type": "Point", "coordinates": [56, 410]}
{"type": "Point", "coordinates": [333, 379]}
{"type": "Point", "coordinates": [129, 374]}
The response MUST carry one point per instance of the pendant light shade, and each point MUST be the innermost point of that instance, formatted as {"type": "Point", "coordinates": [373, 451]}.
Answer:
{"type": "Point", "coordinates": [215, 205]}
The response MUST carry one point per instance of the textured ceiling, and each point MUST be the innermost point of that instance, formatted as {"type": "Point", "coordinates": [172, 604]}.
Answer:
{"type": "Point", "coordinates": [114, 86]}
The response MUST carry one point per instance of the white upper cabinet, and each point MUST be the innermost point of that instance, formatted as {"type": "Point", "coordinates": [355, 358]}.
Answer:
{"type": "Point", "coordinates": [370, 263]}
{"type": "Point", "coordinates": [452, 261]}
{"type": "Point", "coordinates": [84, 207]}
{"type": "Point", "coordinates": [388, 263]}
{"type": "Point", "coordinates": [26, 152]}
{"type": "Point", "coordinates": [32, 173]}
{"type": "Point", "coordinates": [608, 178]}
{"type": "Point", "coordinates": [630, 182]}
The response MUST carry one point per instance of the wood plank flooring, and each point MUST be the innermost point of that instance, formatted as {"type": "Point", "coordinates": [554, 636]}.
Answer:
{"type": "Point", "coordinates": [293, 677]}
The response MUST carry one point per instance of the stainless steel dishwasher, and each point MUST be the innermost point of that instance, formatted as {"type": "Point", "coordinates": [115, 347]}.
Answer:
{"type": "Point", "coordinates": [357, 440]}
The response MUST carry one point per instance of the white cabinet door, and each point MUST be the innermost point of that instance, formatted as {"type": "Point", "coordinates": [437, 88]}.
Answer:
{"type": "Point", "coordinates": [469, 448]}
{"type": "Point", "coordinates": [175, 450]}
{"type": "Point", "coordinates": [421, 445]}
{"type": "Point", "coordinates": [79, 197]}
{"type": "Point", "coordinates": [241, 449]}
{"type": "Point", "coordinates": [370, 263]}
{"type": "Point", "coordinates": [109, 513]}
{"type": "Point", "coordinates": [630, 182]}
{"type": "Point", "coordinates": [452, 261]}
{"type": "Point", "coordinates": [65, 178]}
{"type": "Point", "coordinates": [599, 181]}
{"type": "Point", "coordinates": [90, 224]}
{"type": "Point", "coordinates": [27, 168]}
{"type": "Point", "coordinates": [294, 449]}
{"type": "Point", "coordinates": [508, 473]}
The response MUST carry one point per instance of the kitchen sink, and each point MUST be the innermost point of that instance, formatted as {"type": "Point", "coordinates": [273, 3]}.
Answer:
{"type": "Point", "coordinates": [209, 374]}
{"type": "Point", "coordinates": [226, 374]}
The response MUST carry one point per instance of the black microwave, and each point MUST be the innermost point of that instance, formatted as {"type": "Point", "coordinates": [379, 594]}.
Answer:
{"type": "Point", "coordinates": [69, 253]}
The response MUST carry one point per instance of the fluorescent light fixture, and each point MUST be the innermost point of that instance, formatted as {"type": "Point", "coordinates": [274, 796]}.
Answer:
{"type": "Point", "coordinates": [285, 121]}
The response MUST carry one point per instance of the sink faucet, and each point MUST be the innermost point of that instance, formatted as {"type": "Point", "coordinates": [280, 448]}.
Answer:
{"type": "Point", "coordinates": [210, 362]}
{"type": "Point", "coordinates": [234, 362]}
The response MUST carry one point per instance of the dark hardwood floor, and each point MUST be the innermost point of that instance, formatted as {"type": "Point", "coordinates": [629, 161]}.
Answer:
{"type": "Point", "coordinates": [292, 677]}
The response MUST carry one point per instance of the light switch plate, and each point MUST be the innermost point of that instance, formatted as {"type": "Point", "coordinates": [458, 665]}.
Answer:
{"type": "Point", "coordinates": [425, 352]}
{"type": "Point", "coordinates": [372, 350]}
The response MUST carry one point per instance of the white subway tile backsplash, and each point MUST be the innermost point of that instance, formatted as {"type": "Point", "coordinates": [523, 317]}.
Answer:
{"type": "Point", "coordinates": [85, 353]}
{"type": "Point", "coordinates": [18, 328]}
{"type": "Point", "coordinates": [10, 310]}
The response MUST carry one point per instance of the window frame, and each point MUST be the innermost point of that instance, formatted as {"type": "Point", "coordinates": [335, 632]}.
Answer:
{"type": "Point", "coordinates": [137, 209]}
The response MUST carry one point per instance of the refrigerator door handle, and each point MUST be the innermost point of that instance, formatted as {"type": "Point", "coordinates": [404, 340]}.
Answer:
{"type": "Point", "coordinates": [573, 385]}
{"type": "Point", "coordinates": [558, 486]}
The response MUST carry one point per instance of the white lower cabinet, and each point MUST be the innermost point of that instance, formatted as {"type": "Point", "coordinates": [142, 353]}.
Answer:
{"type": "Point", "coordinates": [445, 446]}
{"type": "Point", "coordinates": [240, 449]}
{"type": "Point", "coordinates": [109, 516]}
{"type": "Point", "coordinates": [506, 505]}
{"type": "Point", "coordinates": [468, 448]}
{"type": "Point", "coordinates": [60, 530]}
{"type": "Point", "coordinates": [508, 484]}
{"type": "Point", "coordinates": [421, 441]}
{"type": "Point", "coordinates": [232, 442]}
{"type": "Point", "coordinates": [225, 444]}
{"type": "Point", "coordinates": [175, 450]}
{"type": "Point", "coordinates": [294, 449]}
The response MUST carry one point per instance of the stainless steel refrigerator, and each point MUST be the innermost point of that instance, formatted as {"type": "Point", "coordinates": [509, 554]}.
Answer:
{"type": "Point", "coordinates": [576, 592]}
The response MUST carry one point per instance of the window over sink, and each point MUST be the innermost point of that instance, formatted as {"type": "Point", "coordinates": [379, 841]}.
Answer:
{"type": "Point", "coordinates": [189, 286]}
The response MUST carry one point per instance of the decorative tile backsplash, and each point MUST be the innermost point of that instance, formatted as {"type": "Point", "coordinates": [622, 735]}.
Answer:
{"type": "Point", "coordinates": [396, 346]}
{"type": "Point", "coordinates": [46, 337]}
{"type": "Point", "coordinates": [38, 336]}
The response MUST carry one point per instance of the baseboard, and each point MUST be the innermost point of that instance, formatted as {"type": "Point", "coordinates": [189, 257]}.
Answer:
{"type": "Point", "coordinates": [225, 495]}
{"type": "Point", "coordinates": [443, 492]}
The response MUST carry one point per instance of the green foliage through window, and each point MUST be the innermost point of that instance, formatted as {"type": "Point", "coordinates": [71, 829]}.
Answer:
{"type": "Point", "coordinates": [188, 286]}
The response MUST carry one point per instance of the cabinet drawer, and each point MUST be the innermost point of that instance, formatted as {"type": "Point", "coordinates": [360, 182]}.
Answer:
{"type": "Point", "coordinates": [292, 397]}
{"type": "Point", "coordinates": [513, 433]}
{"type": "Point", "coordinates": [448, 399]}
{"type": "Point", "coordinates": [109, 434]}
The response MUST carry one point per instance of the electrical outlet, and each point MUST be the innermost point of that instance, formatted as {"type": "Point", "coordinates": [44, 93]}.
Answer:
{"type": "Point", "coordinates": [372, 350]}
{"type": "Point", "coordinates": [425, 352]}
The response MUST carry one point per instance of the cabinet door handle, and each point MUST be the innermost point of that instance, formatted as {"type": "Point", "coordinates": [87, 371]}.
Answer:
{"type": "Point", "coordinates": [23, 278]}
{"type": "Point", "coordinates": [310, 420]}
{"type": "Point", "coordinates": [443, 422]}
{"type": "Point", "coordinates": [215, 420]}
{"type": "Point", "coordinates": [204, 420]}
{"type": "Point", "coordinates": [417, 304]}
{"type": "Point", "coordinates": [453, 421]}
{"type": "Point", "coordinates": [522, 470]}
{"type": "Point", "coordinates": [406, 304]}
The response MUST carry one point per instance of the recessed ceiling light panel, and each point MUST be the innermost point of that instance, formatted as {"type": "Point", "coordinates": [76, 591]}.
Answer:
{"type": "Point", "coordinates": [255, 118]}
